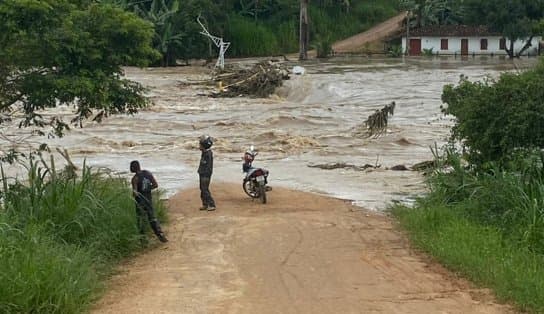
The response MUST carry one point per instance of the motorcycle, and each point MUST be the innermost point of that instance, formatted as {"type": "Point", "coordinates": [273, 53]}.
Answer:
{"type": "Point", "coordinates": [256, 179]}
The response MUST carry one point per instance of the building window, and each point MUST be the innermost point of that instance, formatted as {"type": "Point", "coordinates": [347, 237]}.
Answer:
{"type": "Point", "coordinates": [443, 44]}
{"type": "Point", "coordinates": [502, 44]}
{"type": "Point", "coordinates": [483, 44]}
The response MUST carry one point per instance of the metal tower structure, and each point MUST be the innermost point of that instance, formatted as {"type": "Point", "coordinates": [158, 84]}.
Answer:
{"type": "Point", "coordinates": [219, 43]}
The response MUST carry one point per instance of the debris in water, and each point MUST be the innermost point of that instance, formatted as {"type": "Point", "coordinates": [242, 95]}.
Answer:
{"type": "Point", "coordinates": [259, 81]}
{"type": "Point", "coordinates": [399, 168]}
{"type": "Point", "coordinates": [425, 166]}
{"type": "Point", "coordinates": [403, 142]}
{"type": "Point", "coordinates": [342, 165]}
{"type": "Point", "coordinates": [376, 123]}
{"type": "Point", "coordinates": [298, 70]}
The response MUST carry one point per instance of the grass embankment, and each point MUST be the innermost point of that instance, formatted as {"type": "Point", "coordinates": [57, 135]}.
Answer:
{"type": "Point", "coordinates": [60, 236]}
{"type": "Point", "coordinates": [488, 227]}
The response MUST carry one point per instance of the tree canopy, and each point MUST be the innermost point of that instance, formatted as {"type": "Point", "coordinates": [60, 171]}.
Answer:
{"type": "Point", "coordinates": [496, 119]}
{"type": "Point", "coordinates": [61, 52]}
{"type": "Point", "coordinates": [515, 19]}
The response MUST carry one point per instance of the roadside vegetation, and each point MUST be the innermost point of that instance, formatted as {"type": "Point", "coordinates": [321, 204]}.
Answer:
{"type": "Point", "coordinates": [61, 234]}
{"type": "Point", "coordinates": [484, 214]}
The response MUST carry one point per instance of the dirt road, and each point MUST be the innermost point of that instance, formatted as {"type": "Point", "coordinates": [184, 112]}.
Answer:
{"type": "Point", "coordinates": [300, 253]}
{"type": "Point", "coordinates": [383, 30]}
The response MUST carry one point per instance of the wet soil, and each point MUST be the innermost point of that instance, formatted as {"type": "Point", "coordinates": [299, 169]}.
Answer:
{"type": "Point", "coordinates": [300, 253]}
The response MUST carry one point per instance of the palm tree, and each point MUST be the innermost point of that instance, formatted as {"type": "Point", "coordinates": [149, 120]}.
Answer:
{"type": "Point", "coordinates": [434, 12]}
{"type": "Point", "coordinates": [167, 37]}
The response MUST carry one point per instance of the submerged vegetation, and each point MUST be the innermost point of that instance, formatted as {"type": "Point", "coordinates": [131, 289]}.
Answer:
{"type": "Point", "coordinates": [484, 215]}
{"type": "Point", "coordinates": [60, 235]}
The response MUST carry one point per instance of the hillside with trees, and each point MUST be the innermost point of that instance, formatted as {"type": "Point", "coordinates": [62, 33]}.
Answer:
{"type": "Point", "coordinates": [254, 27]}
{"type": "Point", "coordinates": [271, 27]}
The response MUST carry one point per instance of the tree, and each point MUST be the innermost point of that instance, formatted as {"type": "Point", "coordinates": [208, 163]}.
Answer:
{"type": "Point", "coordinates": [515, 19]}
{"type": "Point", "coordinates": [61, 52]}
{"type": "Point", "coordinates": [168, 37]}
{"type": "Point", "coordinates": [497, 119]}
{"type": "Point", "coordinates": [435, 12]}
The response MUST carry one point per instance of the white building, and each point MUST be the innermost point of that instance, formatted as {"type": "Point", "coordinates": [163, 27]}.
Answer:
{"type": "Point", "coordinates": [463, 40]}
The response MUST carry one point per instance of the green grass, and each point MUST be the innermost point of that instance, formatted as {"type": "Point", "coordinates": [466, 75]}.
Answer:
{"type": "Point", "coordinates": [480, 253]}
{"type": "Point", "coordinates": [60, 237]}
{"type": "Point", "coordinates": [250, 38]}
{"type": "Point", "coordinates": [487, 226]}
{"type": "Point", "coordinates": [40, 275]}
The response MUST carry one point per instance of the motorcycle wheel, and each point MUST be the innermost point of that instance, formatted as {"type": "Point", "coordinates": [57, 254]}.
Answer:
{"type": "Point", "coordinates": [262, 193]}
{"type": "Point", "coordinates": [246, 185]}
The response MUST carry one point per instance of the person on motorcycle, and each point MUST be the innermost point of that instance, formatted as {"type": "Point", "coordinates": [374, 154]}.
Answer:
{"type": "Point", "coordinates": [205, 169]}
{"type": "Point", "coordinates": [142, 184]}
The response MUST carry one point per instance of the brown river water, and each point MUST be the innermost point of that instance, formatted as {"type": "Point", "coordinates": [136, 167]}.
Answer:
{"type": "Point", "coordinates": [313, 119]}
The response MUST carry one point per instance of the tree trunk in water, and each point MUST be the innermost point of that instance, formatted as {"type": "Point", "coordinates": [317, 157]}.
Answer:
{"type": "Point", "coordinates": [527, 45]}
{"type": "Point", "coordinates": [510, 51]}
{"type": "Point", "coordinates": [304, 30]}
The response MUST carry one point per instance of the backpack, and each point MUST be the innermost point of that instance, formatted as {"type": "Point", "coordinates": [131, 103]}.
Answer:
{"type": "Point", "coordinates": [145, 184]}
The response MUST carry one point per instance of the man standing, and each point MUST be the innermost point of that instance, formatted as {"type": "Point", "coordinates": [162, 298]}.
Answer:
{"type": "Point", "coordinates": [205, 170]}
{"type": "Point", "coordinates": [142, 184]}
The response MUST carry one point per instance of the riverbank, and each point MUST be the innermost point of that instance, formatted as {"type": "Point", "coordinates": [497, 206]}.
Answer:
{"type": "Point", "coordinates": [300, 253]}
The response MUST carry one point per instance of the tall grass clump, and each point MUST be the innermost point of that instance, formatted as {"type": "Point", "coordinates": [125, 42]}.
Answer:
{"type": "Point", "coordinates": [510, 200]}
{"type": "Point", "coordinates": [323, 46]}
{"type": "Point", "coordinates": [250, 38]}
{"type": "Point", "coordinates": [287, 36]}
{"type": "Point", "coordinates": [41, 275]}
{"type": "Point", "coordinates": [60, 236]}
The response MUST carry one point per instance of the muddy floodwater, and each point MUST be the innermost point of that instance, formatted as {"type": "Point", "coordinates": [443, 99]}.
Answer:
{"type": "Point", "coordinates": [313, 119]}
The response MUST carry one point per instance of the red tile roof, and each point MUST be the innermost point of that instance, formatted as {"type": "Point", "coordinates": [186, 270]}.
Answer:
{"type": "Point", "coordinates": [453, 31]}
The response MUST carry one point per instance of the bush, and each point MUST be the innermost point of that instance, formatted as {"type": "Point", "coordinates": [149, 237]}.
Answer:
{"type": "Point", "coordinates": [496, 120]}
{"type": "Point", "coordinates": [395, 51]}
{"type": "Point", "coordinates": [428, 52]}
{"type": "Point", "coordinates": [323, 46]}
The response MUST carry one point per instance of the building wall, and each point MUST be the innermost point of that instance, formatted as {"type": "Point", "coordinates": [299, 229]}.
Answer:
{"type": "Point", "coordinates": [454, 45]}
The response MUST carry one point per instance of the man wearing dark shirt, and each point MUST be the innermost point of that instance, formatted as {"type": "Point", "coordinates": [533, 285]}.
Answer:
{"type": "Point", "coordinates": [205, 169]}
{"type": "Point", "coordinates": [142, 184]}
